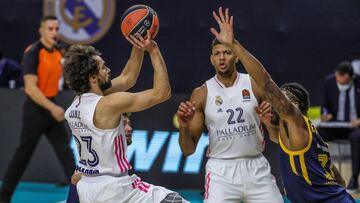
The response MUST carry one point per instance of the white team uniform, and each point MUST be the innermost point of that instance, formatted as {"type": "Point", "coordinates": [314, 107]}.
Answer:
{"type": "Point", "coordinates": [236, 170]}
{"type": "Point", "coordinates": [103, 160]}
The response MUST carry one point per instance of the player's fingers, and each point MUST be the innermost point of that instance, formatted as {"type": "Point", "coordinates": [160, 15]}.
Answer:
{"type": "Point", "coordinates": [141, 39]}
{"type": "Point", "coordinates": [190, 106]}
{"type": "Point", "coordinates": [215, 32]}
{"type": "Point", "coordinates": [266, 107]}
{"type": "Point", "coordinates": [180, 113]}
{"type": "Point", "coordinates": [132, 42]}
{"type": "Point", "coordinates": [216, 18]}
{"type": "Point", "coordinates": [148, 35]}
{"type": "Point", "coordinates": [183, 107]}
{"type": "Point", "coordinates": [257, 110]}
{"type": "Point", "coordinates": [221, 14]}
{"type": "Point", "coordinates": [227, 19]}
{"type": "Point", "coordinates": [263, 103]}
{"type": "Point", "coordinates": [232, 21]}
{"type": "Point", "coordinates": [136, 41]}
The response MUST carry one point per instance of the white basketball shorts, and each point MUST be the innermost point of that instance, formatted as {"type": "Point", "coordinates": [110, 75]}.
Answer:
{"type": "Point", "coordinates": [129, 189]}
{"type": "Point", "coordinates": [236, 180]}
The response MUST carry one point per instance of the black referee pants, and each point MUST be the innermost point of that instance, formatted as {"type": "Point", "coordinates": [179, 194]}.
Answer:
{"type": "Point", "coordinates": [36, 122]}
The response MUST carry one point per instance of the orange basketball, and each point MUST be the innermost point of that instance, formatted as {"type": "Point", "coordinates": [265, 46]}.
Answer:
{"type": "Point", "coordinates": [139, 19]}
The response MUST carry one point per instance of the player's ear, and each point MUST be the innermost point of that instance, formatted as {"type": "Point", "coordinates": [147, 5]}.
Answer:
{"type": "Point", "coordinates": [92, 79]}
{"type": "Point", "coordinates": [212, 60]}
{"type": "Point", "coordinates": [236, 59]}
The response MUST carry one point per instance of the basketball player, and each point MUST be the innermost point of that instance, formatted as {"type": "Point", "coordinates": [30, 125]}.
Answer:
{"type": "Point", "coordinates": [96, 123]}
{"type": "Point", "coordinates": [307, 170]}
{"type": "Point", "coordinates": [236, 170]}
{"type": "Point", "coordinates": [73, 196]}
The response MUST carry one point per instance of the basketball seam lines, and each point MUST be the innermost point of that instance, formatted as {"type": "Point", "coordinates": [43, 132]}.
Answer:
{"type": "Point", "coordinates": [148, 11]}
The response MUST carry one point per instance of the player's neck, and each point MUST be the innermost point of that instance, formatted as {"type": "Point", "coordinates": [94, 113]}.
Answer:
{"type": "Point", "coordinates": [227, 81]}
{"type": "Point", "coordinates": [96, 90]}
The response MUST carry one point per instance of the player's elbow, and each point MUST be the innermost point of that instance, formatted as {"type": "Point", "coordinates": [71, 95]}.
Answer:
{"type": "Point", "coordinates": [167, 93]}
{"type": "Point", "coordinates": [131, 81]}
{"type": "Point", "coordinates": [163, 95]}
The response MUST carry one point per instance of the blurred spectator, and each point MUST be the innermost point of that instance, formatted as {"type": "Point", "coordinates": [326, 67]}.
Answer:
{"type": "Point", "coordinates": [342, 103]}
{"type": "Point", "coordinates": [11, 75]}
{"type": "Point", "coordinates": [42, 115]}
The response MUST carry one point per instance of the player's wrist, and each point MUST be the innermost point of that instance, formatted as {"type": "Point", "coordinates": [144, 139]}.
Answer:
{"type": "Point", "coordinates": [233, 43]}
{"type": "Point", "coordinates": [153, 49]}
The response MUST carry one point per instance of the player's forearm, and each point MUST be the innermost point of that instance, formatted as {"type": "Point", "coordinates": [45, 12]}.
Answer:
{"type": "Point", "coordinates": [130, 73]}
{"type": "Point", "coordinates": [186, 142]}
{"type": "Point", "coordinates": [38, 97]}
{"type": "Point", "coordinates": [161, 84]}
{"type": "Point", "coordinates": [262, 78]}
{"type": "Point", "coordinates": [133, 66]}
{"type": "Point", "coordinates": [251, 64]}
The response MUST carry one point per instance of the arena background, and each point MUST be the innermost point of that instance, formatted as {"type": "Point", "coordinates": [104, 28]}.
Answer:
{"type": "Point", "coordinates": [296, 40]}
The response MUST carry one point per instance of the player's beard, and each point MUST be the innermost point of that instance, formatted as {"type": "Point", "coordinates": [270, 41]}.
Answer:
{"type": "Point", "coordinates": [104, 85]}
{"type": "Point", "coordinates": [227, 72]}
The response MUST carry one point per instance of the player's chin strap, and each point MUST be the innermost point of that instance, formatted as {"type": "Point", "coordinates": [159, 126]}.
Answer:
{"type": "Point", "coordinates": [173, 198]}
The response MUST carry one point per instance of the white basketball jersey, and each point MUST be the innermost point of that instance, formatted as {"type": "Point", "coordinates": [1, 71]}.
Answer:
{"type": "Point", "coordinates": [233, 125]}
{"type": "Point", "coordinates": [101, 151]}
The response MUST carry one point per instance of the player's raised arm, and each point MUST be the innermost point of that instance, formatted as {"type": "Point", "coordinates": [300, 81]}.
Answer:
{"type": "Point", "coordinates": [129, 74]}
{"type": "Point", "coordinates": [273, 94]}
{"type": "Point", "coordinates": [251, 64]}
{"type": "Point", "coordinates": [132, 102]}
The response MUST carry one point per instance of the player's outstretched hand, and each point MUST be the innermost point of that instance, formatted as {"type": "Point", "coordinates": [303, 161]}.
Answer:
{"type": "Point", "coordinates": [146, 44]}
{"type": "Point", "coordinates": [185, 112]}
{"type": "Point", "coordinates": [225, 22]}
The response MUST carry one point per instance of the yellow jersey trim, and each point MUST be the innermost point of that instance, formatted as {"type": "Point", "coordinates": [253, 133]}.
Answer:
{"type": "Point", "coordinates": [304, 169]}
{"type": "Point", "coordinates": [292, 164]}
{"type": "Point", "coordinates": [302, 151]}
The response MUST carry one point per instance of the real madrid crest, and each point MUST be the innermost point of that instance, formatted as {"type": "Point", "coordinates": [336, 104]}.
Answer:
{"type": "Point", "coordinates": [81, 21]}
{"type": "Point", "coordinates": [218, 100]}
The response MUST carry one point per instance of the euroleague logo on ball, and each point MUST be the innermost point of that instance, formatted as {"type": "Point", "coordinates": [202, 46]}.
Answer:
{"type": "Point", "coordinates": [147, 23]}
{"type": "Point", "coordinates": [83, 22]}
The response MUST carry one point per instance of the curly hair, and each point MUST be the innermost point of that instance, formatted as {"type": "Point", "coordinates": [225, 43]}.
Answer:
{"type": "Point", "coordinates": [79, 65]}
{"type": "Point", "coordinates": [298, 94]}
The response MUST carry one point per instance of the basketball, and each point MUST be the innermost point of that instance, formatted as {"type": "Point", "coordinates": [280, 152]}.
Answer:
{"type": "Point", "coordinates": [139, 19]}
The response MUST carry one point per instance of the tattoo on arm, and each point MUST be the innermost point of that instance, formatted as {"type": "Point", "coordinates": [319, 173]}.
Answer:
{"type": "Point", "coordinates": [277, 99]}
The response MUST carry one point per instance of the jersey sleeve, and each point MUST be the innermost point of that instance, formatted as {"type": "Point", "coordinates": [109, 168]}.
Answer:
{"type": "Point", "coordinates": [31, 61]}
